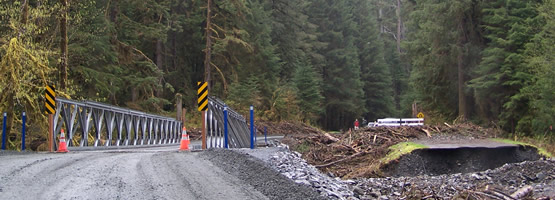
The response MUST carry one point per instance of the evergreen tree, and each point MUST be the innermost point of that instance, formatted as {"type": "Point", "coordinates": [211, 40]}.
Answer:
{"type": "Point", "coordinates": [342, 87]}
{"type": "Point", "coordinates": [293, 36]}
{"type": "Point", "coordinates": [375, 74]}
{"type": "Point", "coordinates": [308, 91]}
{"type": "Point", "coordinates": [502, 72]}
{"type": "Point", "coordinates": [540, 60]}
{"type": "Point", "coordinates": [442, 49]}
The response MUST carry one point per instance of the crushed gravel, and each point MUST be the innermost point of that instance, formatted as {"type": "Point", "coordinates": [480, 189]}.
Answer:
{"type": "Point", "coordinates": [257, 174]}
{"type": "Point", "coordinates": [540, 175]}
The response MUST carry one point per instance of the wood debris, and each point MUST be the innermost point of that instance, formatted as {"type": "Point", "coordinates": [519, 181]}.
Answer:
{"type": "Point", "coordinates": [349, 154]}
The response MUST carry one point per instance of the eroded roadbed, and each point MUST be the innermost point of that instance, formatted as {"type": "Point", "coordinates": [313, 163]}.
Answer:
{"type": "Point", "coordinates": [143, 175]}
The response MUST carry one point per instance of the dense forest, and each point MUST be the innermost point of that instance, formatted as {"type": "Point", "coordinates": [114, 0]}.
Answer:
{"type": "Point", "coordinates": [323, 62]}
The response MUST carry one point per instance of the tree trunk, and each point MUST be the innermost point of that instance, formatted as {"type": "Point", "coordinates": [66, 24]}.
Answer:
{"type": "Point", "coordinates": [179, 106]}
{"type": "Point", "coordinates": [208, 45]}
{"type": "Point", "coordinates": [9, 117]}
{"type": "Point", "coordinates": [134, 94]}
{"type": "Point", "coordinates": [63, 45]}
{"type": "Point", "coordinates": [114, 10]}
{"type": "Point", "coordinates": [460, 72]}
{"type": "Point", "coordinates": [25, 12]}
{"type": "Point", "coordinates": [159, 64]}
{"type": "Point", "coordinates": [399, 23]}
{"type": "Point", "coordinates": [380, 17]}
{"type": "Point", "coordinates": [174, 50]}
{"type": "Point", "coordinates": [414, 109]}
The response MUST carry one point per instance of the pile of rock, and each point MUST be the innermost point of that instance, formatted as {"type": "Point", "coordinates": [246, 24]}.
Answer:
{"type": "Point", "coordinates": [505, 180]}
{"type": "Point", "coordinates": [291, 165]}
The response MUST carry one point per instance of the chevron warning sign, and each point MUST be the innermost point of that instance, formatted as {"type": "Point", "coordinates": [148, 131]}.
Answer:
{"type": "Point", "coordinates": [202, 96]}
{"type": "Point", "coordinates": [50, 97]}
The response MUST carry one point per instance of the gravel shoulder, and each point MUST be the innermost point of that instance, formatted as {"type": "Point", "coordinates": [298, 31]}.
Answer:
{"type": "Point", "coordinates": [249, 166]}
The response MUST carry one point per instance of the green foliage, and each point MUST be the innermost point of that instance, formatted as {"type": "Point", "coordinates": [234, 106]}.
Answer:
{"type": "Point", "coordinates": [375, 71]}
{"type": "Point", "coordinates": [317, 61]}
{"type": "Point", "coordinates": [443, 30]}
{"type": "Point", "coordinates": [398, 150]}
{"type": "Point", "coordinates": [342, 85]}
{"type": "Point", "coordinates": [540, 61]}
{"type": "Point", "coordinates": [244, 94]}
{"type": "Point", "coordinates": [308, 90]}
{"type": "Point", "coordinates": [24, 67]}
{"type": "Point", "coordinates": [502, 73]}
{"type": "Point", "coordinates": [541, 151]}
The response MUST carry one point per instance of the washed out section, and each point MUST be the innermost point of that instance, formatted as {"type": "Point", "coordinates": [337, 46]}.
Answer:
{"type": "Point", "coordinates": [437, 161]}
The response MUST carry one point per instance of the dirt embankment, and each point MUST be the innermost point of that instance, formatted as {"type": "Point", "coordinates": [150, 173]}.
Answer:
{"type": "Point", "coordinates": [356, 154]}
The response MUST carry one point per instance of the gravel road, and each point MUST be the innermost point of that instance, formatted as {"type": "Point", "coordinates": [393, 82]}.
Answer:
{"type": "Point", "coordinates": [134, 174]}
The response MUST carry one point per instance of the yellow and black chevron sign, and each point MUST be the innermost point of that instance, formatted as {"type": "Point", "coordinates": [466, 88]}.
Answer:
{"type": "Point", "coordinates": [50, 97]}
{"type": "Point", "coordinates": [202, 96]}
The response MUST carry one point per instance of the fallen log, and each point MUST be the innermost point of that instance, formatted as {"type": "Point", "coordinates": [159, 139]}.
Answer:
{"type": "Point", "coordinates": [522, 192]}
{"type": "Point", "coordinates": [334, 139]}
{"type": "Point", "coordinates": [427, 132]}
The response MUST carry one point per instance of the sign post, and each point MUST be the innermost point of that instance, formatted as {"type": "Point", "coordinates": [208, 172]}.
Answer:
{"type": "Point", "coordinates": [252, 127]}
{"type": "Point", "coordinates": [4, 132]}
{"type": "Point", "coordinates": [226, 142]}
{"type": "Point", "coordinates": [50, 105]}
{"type": "Point", "coordinates": [24, 119]}
{"type": "Point", "coordinates": [203, 106]}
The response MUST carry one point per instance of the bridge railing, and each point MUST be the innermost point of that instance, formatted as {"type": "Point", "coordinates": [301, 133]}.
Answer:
{"type": "Point", "coordinates": [89, 123]}
{"type": "Point", "coordinates": [238, 131]}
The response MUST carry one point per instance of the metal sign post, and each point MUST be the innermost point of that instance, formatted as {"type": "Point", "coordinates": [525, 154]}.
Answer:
{"type": "Point", "coordinates": [4, 133]}
{"type": "Point", "coordinates": [203, 106]}
{"type": "Point", "coordinates": [24, 119]}
{"type": "Point", "coordinates": [226, 142]}
{"type": "Point", "coordinates": [50, 132]}
{"type": "Point", "coordinates": [50, 105]}
{"type": "Point", "coordinates": [252, 127]}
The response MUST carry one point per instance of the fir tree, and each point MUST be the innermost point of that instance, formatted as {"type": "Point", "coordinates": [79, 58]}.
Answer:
{"type": "Point", "coordinates": [503, 72]}
{"type": "Point", "coordinates": [375, 73]}
{"type": "Point", "coordinates": [342, 87]}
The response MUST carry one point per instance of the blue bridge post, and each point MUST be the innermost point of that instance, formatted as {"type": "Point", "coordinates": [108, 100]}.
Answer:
{"type": "Point", "coordinates": [24, 119]}
{"type": "Point", "coordinates": [266, 135]}
{"type": "Point", "coordinates": [4, 133]}
{"type": "Point", "coordinates": [252, 127]}
{"type": "Point", "coordinates": [225, 128]}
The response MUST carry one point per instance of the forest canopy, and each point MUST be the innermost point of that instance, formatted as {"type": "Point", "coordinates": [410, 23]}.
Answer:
{"type": "Point", "coordinates": [323, 62]}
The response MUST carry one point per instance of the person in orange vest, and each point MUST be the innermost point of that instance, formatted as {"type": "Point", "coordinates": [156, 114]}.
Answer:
{"type": "Point", "coordinates": [356, 124]}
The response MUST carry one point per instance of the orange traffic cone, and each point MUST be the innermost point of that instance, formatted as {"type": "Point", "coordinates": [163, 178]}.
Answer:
{"type": "Point", "coordinates": [63, 145]}
{"type": "Point", "coordinates": [184, 140]}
